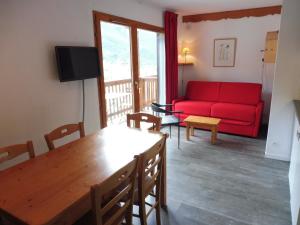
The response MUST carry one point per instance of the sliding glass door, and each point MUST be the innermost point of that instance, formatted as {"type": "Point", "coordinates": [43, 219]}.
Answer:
{"type": "Point", "coordinates": [131, 60]}
{"type": "Point", "coordinates": [148, 68]}
{"type": "Point", "coordinates": [117, 67]}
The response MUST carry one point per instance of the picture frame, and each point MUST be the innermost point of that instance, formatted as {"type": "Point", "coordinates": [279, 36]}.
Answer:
{"type": "Point", "coordinates": [224, 52]}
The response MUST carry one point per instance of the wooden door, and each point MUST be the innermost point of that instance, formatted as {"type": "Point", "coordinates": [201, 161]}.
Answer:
{"type": "Point", "coordinates": [271, 47]}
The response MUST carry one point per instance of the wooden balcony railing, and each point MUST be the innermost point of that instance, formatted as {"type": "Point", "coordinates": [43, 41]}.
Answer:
{"type": "Point", "coordinates": [119, 97]}
{"type": "Point", "coordinates": [148, 91]}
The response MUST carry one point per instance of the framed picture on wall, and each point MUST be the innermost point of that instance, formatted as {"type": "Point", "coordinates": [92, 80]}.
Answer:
{"type": "Point", "coordinates": [224, 52]}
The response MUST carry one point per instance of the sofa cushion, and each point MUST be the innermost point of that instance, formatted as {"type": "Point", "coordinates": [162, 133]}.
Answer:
{"type": "Point", "coordinates": [236, 122]}
{"type": "Point", "coordinates": [234, 111]}
{"type": "Point", "coordinates": [203, 91]}
{"type": "Point", "coordinates": [240, 93]}
{"type": "Point", "coordinates": [198, 108]}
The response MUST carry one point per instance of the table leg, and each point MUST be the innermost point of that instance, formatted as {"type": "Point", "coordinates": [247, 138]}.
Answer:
{"type": "Point", "coordinates": [187, 132]}
{"type": "Point", "coordinates": [214, 135]}
{"type": "Point", "coordinates": [163, 199]}
{"type": "Point", "coordinates": [192, 131]}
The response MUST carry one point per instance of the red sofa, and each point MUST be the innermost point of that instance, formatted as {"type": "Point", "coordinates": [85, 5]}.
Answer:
{"type": "Point", "coordinates": [238, 105]}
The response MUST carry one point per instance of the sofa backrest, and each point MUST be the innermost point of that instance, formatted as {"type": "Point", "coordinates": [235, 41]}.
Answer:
{"type": "Point", "coordinates": [240, 93]}
{"type": "Point", "coordinates": [231, 92]}
{"type": "Point", "coordinates": [203, 91]}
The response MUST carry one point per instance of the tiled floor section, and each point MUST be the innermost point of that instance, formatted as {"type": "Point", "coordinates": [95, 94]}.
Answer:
{"type": "Point", "coordinates": [230, 183]}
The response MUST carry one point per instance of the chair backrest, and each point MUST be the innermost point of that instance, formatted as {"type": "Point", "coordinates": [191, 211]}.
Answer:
{"type": "Point", "coordinates": [137, 118]}
{"type": "Point", "coordinates": [63, 131]}
{"type": "Point", "coordinates": [150, 169]}
{"type": "Point", "coordinates": [10, 152]}
{"type": "Point", "coordinates": [159, 109]}
{"type": "Point", "coordinates": [112, 200]}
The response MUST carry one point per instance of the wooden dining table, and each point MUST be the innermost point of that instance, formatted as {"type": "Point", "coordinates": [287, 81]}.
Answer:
{"type": "Point", "coordinates": [54, 188]}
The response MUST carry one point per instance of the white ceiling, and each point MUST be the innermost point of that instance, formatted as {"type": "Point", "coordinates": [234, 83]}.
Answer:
{"type": "Point", "coordinates": [185, 7]}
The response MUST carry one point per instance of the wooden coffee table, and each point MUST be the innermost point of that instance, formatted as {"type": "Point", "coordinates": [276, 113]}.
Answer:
{"type": "Point", "coordinates": [208, 123]}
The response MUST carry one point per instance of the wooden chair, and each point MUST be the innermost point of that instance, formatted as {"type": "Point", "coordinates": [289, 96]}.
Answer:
{"type": "Point", "coordinates": [149, 178]}
{"type": "Point", "coordinates": [10, 152]}
{"type": "Point", "coordinates": [63, 131]}
{"type": "Point", "coordinates": [137, 118]}
{"type": "Point", "coordinates": [112, 200]}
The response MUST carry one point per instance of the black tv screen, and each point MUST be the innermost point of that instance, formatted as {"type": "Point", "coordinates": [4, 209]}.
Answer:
{"type": "Point", "coordinates": [77, 63]}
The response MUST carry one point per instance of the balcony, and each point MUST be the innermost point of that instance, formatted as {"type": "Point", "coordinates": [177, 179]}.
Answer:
{"type": "Point", "coordinates": [119, 97]}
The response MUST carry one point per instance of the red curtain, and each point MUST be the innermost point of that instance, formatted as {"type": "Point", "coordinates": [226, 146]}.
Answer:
{"type": "Point", "coordinates": [171, 56]}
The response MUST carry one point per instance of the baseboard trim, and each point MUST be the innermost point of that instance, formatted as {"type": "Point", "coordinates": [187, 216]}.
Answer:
{"type": "Point", "coordinates": [277, 157]}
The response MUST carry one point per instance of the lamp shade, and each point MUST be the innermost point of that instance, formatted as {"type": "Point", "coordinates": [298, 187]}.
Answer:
{"type": "Point", "coordinates": [185, 50]}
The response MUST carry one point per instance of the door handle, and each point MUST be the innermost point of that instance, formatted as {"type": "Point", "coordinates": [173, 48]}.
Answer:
{"type": "Point", "coordinates": [136, 83]}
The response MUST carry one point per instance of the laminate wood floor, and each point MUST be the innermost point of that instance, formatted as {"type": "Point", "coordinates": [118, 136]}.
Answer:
{"type": "Point", "coordinates": [230, 183]}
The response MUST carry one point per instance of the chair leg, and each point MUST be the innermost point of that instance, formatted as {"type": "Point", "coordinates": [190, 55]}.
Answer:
{"type": "Point", "coordinates": [158, 201]}
{"type": "Point", "coordinates": [178, 135]}
{"type": "Point", "coordinates": [158, 222]}
{"type": "Point", "coordinates": [128, 217]}
{"type": "Point", "coordinates": [142, 212]}
{"type": "Point", "coordinates": [170, 128]}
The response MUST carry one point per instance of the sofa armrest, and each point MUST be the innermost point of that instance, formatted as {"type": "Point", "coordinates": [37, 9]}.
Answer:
{"type": "Point", "coordinates": [178, 100]}
{"type": "Point", "coordinates": [258, 118]}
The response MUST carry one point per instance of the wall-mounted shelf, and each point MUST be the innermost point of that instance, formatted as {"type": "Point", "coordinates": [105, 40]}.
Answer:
{"type": "Point", "coordinates": [185, 64]}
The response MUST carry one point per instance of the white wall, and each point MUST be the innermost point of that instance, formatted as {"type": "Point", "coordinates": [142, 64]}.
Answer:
{"type": "Point", "coordinates": [286, 83]}
{"type": "Point", "coordinates": [33, 101]}
{"type": "Point", "coordinates": [250, 33]}
{"type": "Point", "coordinates": [294, 173]}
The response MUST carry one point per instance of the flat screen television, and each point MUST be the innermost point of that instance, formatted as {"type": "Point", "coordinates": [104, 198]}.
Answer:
{"type": "Point", "coordinates": [77, 63]}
